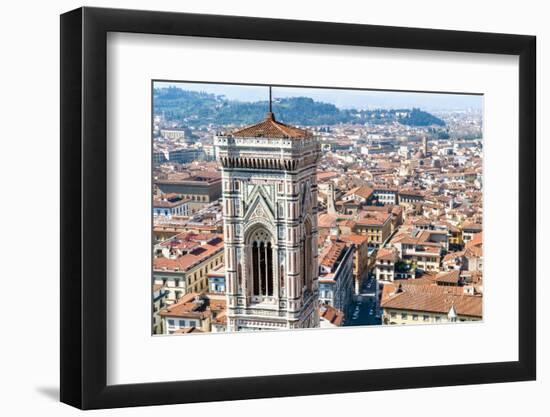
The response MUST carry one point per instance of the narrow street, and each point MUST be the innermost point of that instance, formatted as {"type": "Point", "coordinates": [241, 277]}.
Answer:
{"type": "Point", "coordinates": [364, 311]}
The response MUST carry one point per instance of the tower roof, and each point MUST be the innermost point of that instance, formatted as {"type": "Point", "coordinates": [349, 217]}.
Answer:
{"type": "Point", "coordinates": [271, 128]}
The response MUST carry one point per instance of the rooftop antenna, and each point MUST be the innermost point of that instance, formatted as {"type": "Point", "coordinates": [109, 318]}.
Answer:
{"type": "Point", "coordinates": [270, 99]}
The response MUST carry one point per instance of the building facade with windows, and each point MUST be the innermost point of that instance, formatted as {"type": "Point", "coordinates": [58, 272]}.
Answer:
{"type": "Point", "coordinates": [170, 205]}
{"type": "Point", "coordinates": [181, 264]}
{"type": "Point", "coordinates": [360, 257]}
{"type": "Point", "coordinates": [376, 226]}
{"type": "Point", "coordinates": [193, 313]}
{"type": "Point", "coordinates": [159, 302]}
{"type": "Point", "coordinates": [386, 258]}
{"type": "Point", "coordinates": [425, 308]}
{"type": "Point", "coordinates": [336, 287]}
{"type": "Point", "coordinates": [269, 192]}
{"type": "Point", "coordinates": [216, 280]}
{"type": "Point", "coordinates": [201, 188]}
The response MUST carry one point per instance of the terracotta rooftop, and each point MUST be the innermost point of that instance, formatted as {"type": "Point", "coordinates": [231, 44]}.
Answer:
{"type": "Point", "coordinates": [325, 220]}
{"type": "Point", "coordinates": [197, 253]}
{"type": "Point", "coordinates": [387, 254]}
{"type": "Point", "coordinates": [270, 128]}
{"type": "Point", "coordinates": [326, 175]}
{"type": "Point", "coordinates": [452, 256]}
{"type": "Point", "coordinates": [194, 305]}
{"type": "Point", "coordinates": [354, 238]}
{"type": "Point", "coordinates": [332, 254]}
{"type": "Point", "coordinates": [477, 240]}
{"type": "Point", "coordinates": [363, 191]}
{"type": "Point", "coordinates": [474, 227]}
{"type": "Point", "coordinates": [331, 314]}
{"type": "Point", "coordinates": [388, 290]}
{"type": "Point", "coordinates": [374, 219]}
{"type": "Point", "coordinates": [465, 305]}
{"type": "Point", "coordinates": [450, 277]}
{"type": "Point", "coordinates": [473, 252]}
{"type": "Point", "coordinates": [159, 203]}
{"type": "Point", "coordinates": [203, 177]}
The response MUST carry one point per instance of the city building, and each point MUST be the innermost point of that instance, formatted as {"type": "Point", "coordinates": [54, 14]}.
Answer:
{"type": "Point", "coordinates": [336, 284]}
{"type": "Point", "coordinates": [159, 302]}
{"type": "Point", "coordinates": [424, 308]}
{"type": "Point", "coordinates": [385, 195]}
{"type": "Point", "coordinates": [173, 133]}
{"type": "Point", "coordinates": [185, 155]}
{"type": "Point", "coordinates": [469, 230]}
{"type": "Point", "coordinates": [171, 205]}
{"type": "Point", "coordinates": [360, 257]}
{"type": "Point", "coordinates": [201, 188]}
{"type": "Point", "coordinates": [386, 258]}
{"type": "Point", "coordinates": [160, 157]}
{"type": "Point", "coordinates": [423, 249]}
{"type": "Point", "coordinates": [269, 176]}
{"type": "Point", "coordinates": [395, 211]}
{"type": "Point", "coordinates": [361, 194]}
{"type": "Point", "coordinates": [330, 317]}
{"type": "Point", "coordinates": [377, 226]}
{"type": "Point", "coordinates": [193, 312]}
{"type": "Point", "coordinates": [216, 280]}
{"type": "Point", "coordinates": [181, 263]}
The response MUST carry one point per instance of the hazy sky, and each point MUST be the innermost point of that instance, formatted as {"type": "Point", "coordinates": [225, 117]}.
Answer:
{"type": "Point", "coordinates": [360, 99]}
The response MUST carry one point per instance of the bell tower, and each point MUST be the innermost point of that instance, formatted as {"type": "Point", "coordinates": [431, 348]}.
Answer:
{"type": "Point", "coordinates": [270, 226]}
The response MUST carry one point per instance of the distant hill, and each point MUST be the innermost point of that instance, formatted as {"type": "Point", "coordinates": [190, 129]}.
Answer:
{"type": "Point", "coordinates": [194, 108]}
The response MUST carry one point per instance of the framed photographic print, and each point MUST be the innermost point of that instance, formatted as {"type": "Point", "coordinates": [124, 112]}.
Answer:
{"type": "Point", "coordinates": [255, 208]}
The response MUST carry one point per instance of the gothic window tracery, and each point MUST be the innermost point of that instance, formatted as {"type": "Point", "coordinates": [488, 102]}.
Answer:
{"type": "Point", "coordinates": [306, 256]}
{"type": "Point", "coordinates": [262, 263]}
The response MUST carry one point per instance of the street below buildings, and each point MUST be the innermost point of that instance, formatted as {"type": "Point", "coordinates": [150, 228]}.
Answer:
{"type": "Point", "coordinates": [365, 308]}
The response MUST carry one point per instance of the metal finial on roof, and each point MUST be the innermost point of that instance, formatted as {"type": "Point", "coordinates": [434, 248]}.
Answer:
{"type": "Point", "coordinates": [270, 99]}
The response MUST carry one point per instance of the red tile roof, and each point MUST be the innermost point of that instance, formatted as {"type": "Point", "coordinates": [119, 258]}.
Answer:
{"type": "Point", "coordinates": [373, 219]}
{"type": "Point", "coordinates": [271, 128]}
{"type": "Point", "coordinates": [450, 277]}
{"type": "Point", "coordinates": [354, 238]}
{"type": "Point", "coordinates": [387, 254]}
{"type": "Point", "coordinates": [331, 314]}
{"type": "Point", "coordinates": [333, 253]}
{"type": "Point", "coordinates": [477, 240]}
{"type": "Point", "coordinates": [194, 305]}
{"type": "Point", "coordinates": [465, 305]}
{"type": "Point", "coordinates": [198, 254]}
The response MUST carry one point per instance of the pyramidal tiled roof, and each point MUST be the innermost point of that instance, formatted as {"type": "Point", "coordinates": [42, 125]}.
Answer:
{"type": "Point", "coordinates": [272, 129]}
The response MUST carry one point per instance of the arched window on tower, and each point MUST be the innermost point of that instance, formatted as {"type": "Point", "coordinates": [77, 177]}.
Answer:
{"type": "Point", "coordinates": [262, 273]}
{"type": "Point", "coordinates": [307, 257]}
{"type": "Point", "coordinates": [262, 263]}
{"type": "Point", "coordinates": [269, 265]}
{"type": "Point", "coordinates": [255, 269]}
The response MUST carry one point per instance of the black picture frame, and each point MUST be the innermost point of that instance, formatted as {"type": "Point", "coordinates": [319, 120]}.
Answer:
{"type": "Point", "coordinates": [84, 207]}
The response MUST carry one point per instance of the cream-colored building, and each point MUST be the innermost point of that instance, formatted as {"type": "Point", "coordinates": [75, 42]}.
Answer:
{"type": "Point", "coordinates": [159, 302]}
{"type": "Point", "coordinates": [182, 263]}
{"type": "Point", "coordinates": [360, 257]}
{"type": "Point", "coordinates": [411, 307]}
{"type": "Point", "coordinates": [426, 255]}
{"type": "Point", "coordinates": [386, 258]}
{"type": "Point", "coordinates": [377, 227]}
{"type": "Point", "coordinates": [193, 311]}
